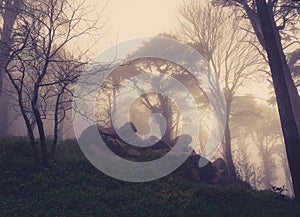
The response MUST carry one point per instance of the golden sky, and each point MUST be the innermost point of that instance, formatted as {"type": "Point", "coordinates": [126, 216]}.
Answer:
{"type": "Point", "coordinates": [129, 19]}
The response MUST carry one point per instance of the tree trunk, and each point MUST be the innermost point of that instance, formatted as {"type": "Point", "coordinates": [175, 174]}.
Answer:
{"type": "Point", "coordinates": [227, 150]}
{"type": "Point", "coordinates": [9, 15]}
{"type": "Point", "coordinates": [291, 86]}
{"type": "Point", "coordinates": [35, 151]}
{"type": "Point", "coordinates": [277, 64]}
{"type": "Point", "coordinates": [167, 113]}
{"type": "Point", "coordinates": [29, 130]}
{"type": "Point", "coordinates": [227, 135]}
{"type": "Point", "coordinates": [56, 124]}
{"type": "Point", "coordinates": [43, 143]}
{"type": "Point", "coordinates": [40, 125]}
{"type": "Point", "coordinates": [267, 168]}
{"type": "Point", "coordinates": [4, 112]}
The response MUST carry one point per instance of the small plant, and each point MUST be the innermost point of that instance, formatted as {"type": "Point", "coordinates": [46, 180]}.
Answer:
{"type": "Point", "coordinates": [278, 190]}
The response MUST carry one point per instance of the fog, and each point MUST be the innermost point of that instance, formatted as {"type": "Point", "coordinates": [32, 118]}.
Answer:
{"type": "Point", "coordinates": [252, 132]}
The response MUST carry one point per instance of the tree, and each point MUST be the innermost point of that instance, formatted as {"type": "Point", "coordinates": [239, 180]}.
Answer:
{"type": "Point", "coordinates": [36, 67]}
{"type": "Point", "coordinates": [266, 137]}
{"type": "Point", "coordinates": [9, 11]}
{"type": "Point", "coordinates": [295, 69]}
{"type": "Point", "coordinates": [215, 33]}
{"type": "Point", "coordinates": [262, 16]}
{"type": "Point", "coordinates": [149, 103]}
{"type": "Point", "coordinates": [256, 131]}
{"type": "Point", "coordinates": [158, 103]}
{"type": "Point", "coordinates": [281, 79]}
{"type": "Point", "coordinates": [57, 90]}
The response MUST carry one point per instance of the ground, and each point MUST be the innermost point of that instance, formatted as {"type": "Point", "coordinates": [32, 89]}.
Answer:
{"type": "Point", "coordinates": [73, 187]}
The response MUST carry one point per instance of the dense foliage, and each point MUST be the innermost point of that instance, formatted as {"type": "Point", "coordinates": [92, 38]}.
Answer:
{"type": "Point", "coordinates": [73, 187]}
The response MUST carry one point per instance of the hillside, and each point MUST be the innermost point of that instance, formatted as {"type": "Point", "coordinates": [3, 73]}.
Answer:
{"type": "Point", "coordinates": [73, 187]}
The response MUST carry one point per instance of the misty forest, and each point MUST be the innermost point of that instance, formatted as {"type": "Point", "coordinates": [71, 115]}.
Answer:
{"type": "Point", "coordinates": [200, 119]}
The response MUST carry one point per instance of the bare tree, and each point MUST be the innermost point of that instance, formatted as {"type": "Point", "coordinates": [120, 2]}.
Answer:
{"type": "Point", "coordinates": [57, 90]}
{"type": "Point", "coordinates": [36, 68]}
{"type": "Point", "coordinates": [215, 33]}
{"type": "Point", "coordinates": [267, 19]}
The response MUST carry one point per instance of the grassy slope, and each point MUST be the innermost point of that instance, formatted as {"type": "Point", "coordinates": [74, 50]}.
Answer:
{"type": "Point", "coordinates": [73, 187]}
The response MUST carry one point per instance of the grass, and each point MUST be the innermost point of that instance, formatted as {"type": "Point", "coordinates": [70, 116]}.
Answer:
{"type": "Point", "coordinates": [73, 187]}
